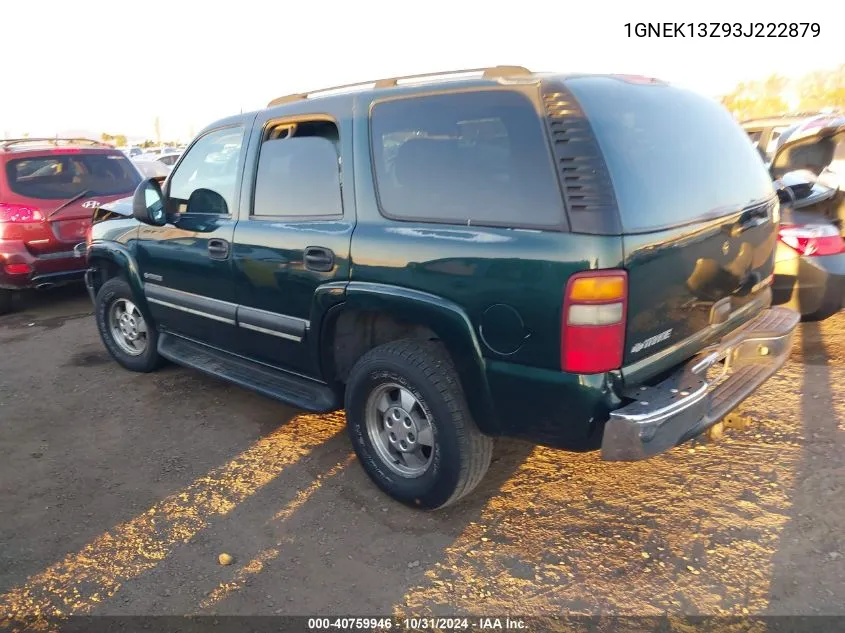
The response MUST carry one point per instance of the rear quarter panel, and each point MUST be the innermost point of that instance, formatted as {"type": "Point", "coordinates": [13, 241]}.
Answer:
{"type": "Point", "coordinates": [509, 284]}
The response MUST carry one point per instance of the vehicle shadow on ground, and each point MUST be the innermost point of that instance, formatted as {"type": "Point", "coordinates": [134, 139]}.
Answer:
{"type": "Point", "coordinates": [48, 309]}
{"type": "Point", "coordinates": [309, 538]}
{"type": "Point", "coordinates": [809, 566]}
{"type": "Point", "coordinates": [264, 502]}
{"type": "Point", "coordinates": [29, 300]}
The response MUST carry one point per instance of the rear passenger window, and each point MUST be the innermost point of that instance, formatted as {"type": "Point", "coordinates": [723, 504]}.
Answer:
{"type": "Point", "coordinates": [299, 172]}
{"type": "Point", "coordinates": [479, 158]}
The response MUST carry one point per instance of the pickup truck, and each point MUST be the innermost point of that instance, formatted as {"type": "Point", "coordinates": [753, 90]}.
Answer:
{"type": "Point", "coordinates": [581, 261]}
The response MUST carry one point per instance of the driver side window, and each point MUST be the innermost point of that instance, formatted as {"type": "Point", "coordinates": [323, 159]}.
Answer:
{"type": "Point", "coordinates": [205, 180]}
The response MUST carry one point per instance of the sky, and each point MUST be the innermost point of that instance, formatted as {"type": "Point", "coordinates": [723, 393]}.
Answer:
{"type": "Point", "coordinates": [91, 66]}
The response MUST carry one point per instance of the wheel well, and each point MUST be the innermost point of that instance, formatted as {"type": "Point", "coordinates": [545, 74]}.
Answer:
{"type": "Point", "coordinates": [104, 269]}
{"type": "Point", "coordinates": [355, 332]}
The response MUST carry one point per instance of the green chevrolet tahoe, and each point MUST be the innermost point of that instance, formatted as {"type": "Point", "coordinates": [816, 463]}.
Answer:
{"type": "Point", "coordinates": [581, 261]}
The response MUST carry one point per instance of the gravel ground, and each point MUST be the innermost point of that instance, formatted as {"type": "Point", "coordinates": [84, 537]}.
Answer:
{"type": "Point", "coordinates": [119, 491]}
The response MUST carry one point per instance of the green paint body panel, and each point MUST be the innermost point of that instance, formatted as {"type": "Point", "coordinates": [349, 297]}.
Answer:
{"type": "Point", "coordinates": [493, 295]}
{"type": "Point", "coordinates": [114, 242]}
{"type": "Point", "coordinates": [677, 276]}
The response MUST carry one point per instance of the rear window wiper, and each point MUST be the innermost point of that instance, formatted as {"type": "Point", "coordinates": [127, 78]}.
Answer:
{"type": "Point", "coordinates": [66, 204]}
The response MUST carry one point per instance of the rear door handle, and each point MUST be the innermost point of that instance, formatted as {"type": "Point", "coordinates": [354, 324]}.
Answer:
{"type": "Point", "coordinates": [218, 249]}
{"type": "Point", "coordinates": [319, 259]}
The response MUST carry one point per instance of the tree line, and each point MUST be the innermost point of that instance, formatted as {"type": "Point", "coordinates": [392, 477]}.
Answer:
{"type": "Point", "coordinates": [119, 140]}
{"type": "Point", "coordinates": [777, 95]}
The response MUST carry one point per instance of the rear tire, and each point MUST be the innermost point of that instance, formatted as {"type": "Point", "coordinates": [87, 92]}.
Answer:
{"type": "Point", "coordinates": [128, 334]}
{"type": "Point", "coordinates": [410, 426]}
{"type": "Point", "coordinates": [6, 301]}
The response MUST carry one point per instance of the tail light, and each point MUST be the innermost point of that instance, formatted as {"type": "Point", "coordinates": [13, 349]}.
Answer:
{"type": "Point", "coordinates": [812, 239]}
{"type": "Point", "coordinates": [19, 214]}
{"type": "Point", "coordinates": [593, 323]}
{"type": "Point", "coordinates": [18, 269]}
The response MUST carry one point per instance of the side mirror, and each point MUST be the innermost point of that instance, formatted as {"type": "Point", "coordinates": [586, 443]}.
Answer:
{"type": "Point", "coordinates": [148, 203]}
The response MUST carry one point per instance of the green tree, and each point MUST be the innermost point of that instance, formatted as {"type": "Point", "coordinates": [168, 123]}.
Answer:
{"type": "Point", "coordinates": [823, 89]}
{"type": "Point", "coordinates": [816, 90]}
{"type": "Point", "coordinates": [754, 99]}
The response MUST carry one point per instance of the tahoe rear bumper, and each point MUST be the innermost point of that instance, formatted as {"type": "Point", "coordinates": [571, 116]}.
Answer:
{"type": "Point", "coordinates": [702, 391]}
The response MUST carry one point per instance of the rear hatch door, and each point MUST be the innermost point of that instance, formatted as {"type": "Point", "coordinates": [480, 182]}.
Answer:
{"type": "Point", "coordinates": [698, 213]}
{"type": "Point", "coordinates": [67, 186]}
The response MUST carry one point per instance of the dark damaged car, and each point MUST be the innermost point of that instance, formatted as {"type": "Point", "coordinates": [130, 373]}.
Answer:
{"type": "Point", "coordinates": [810, 259]}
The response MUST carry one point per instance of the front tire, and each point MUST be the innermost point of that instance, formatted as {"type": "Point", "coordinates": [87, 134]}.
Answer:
{"type": "Point", "coordinates": [126, 332]}
{"type": "Point", "coordinates": [410, 426]}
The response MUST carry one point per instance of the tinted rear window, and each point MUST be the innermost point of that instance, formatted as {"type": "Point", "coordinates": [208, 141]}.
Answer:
{"type": "Point", "coordinates": [675, 156]}
{"type": "Point", "coordinates": [475, 158]}
{"type": "Point", "coordinates": [298, 177]}
{"type": "Point", "coordinates": [65, 175]}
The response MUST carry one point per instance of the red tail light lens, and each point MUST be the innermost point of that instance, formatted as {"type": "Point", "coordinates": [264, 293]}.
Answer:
{"type": "Point", "coordinates": [19, 213]}
{"type": "Point", "coordinates": [812, 239]}
{"type": "Point", "coordinates": [18, 269]}
{"type": "Point", "coordinates": [593, 324]}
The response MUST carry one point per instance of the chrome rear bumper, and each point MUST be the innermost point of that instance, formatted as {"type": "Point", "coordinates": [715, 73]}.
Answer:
{"type": "Point", "coordinates": [702, 391]}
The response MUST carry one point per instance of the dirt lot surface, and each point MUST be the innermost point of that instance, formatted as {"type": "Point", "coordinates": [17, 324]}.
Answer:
{"type": "Point", "coordinates": [119, 491]}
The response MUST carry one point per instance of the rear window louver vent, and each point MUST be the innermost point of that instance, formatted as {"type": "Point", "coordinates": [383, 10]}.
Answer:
{"type": "Point", "coordinates": [586, 184]}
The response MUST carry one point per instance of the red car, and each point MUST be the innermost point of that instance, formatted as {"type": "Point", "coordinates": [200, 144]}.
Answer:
{"type": "Point", "coordinates": [49, 189]}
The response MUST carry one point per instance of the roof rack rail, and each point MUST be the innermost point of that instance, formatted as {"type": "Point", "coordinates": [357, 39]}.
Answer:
{"type": "Point", "coordinates": [490, 72]}
{"type": "Point", "coordinates": [9, 142]}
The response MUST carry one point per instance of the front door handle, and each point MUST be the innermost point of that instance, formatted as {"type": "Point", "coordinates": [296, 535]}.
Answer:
{"type": "Point", "coordinates": [319, 259]}
{"type": "Point", "coordinates": [218, 249]}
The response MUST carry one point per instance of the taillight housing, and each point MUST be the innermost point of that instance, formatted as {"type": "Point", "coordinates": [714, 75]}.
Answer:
{"type": "Point", "coordinates": [18, 269]}
{"type": "Point", "coordinates": [812, 240]}
{"type": "Point", "coordinates": [595, 306]}
{"type": "Point", "coordinates": [19, 214]}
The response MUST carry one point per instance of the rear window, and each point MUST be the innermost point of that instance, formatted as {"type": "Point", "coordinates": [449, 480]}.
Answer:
{"type": "Point", "coordinates": [475, 158]}
{"type": "Point", "coordinates": [65, 175]}
{"type": "Point", "coordinates": [674, 156]}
